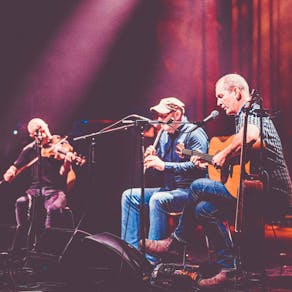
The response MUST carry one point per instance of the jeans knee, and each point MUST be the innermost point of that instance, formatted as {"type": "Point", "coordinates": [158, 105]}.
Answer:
{"type": "Point", "coordinates": [130, 198]}
{"type": "Point", "coordinates": [126, 197]}
{"type": "Point", "coordinates": [197, 184]}
{"type": "Point", "coordinates": [157, 200]}
{"type": "Point", "coordinates": [154, 204]}
{"type": "Point", "coordinates": [196, 188]}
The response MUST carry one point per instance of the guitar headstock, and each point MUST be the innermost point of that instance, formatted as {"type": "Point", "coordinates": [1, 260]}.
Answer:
{"type": "Point", "coordinates": [255, 96]}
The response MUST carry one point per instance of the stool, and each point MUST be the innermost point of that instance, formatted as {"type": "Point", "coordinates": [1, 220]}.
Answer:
{"type": "Point", "coordinates": [210, 249]}
{"type": "Point", "coordinates": [66, 219]}
{"type": "Point", "coordinates": [173, 221]}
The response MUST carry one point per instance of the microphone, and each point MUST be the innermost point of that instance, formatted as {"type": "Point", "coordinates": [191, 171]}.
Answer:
{"type": "Point", "coordinates": [38, 137]}
{"type": "Point", "coordinates": [213, 115]}
{"type": "Point", "coordinates": [143, 119]}
{"type": "Point", "coordinates": [38, 134]}
{"type": "Point", "coordinates": [140, 118]}
{"type": "Point", "coordinates": [156, 122]}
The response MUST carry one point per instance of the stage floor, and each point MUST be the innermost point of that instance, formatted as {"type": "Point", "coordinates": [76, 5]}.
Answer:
{"type": "Point", "coordinates": [277, 278]}
{"type": "Point", "coordinates": [25, 272]}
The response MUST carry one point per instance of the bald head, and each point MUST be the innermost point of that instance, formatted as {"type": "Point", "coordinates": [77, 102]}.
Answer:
{"type": "Point", "coordinates": [230, 81]}
{"type": "Point", "coordinates": [37, 124]}
{"type": "Point", "coordinates": [232, 92]}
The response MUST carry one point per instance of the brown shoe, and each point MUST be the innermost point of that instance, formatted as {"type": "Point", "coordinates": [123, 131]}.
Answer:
{"type": "Point", "coordinates": [168, 246]}
{"type": "Point", "coordinates": [157, 246]}
{"type": "Point", "coordinates": [214, 281]}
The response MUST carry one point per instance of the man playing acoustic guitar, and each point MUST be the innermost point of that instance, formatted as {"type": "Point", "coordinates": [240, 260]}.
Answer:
{"type": "Point", "coordinates": [49, 173]}
{"type": "Point", "coordinates": [210, 201]}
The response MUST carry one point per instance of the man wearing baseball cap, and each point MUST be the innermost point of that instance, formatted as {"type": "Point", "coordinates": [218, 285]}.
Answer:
{"type": "Point", "coordinates": [168, 104]}
{"type": "Point", "coordinates": [178, 173]}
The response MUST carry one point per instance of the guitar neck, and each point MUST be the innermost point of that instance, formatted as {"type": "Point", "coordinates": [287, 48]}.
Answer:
{"type": "Point", "coordinates": [204, 156]}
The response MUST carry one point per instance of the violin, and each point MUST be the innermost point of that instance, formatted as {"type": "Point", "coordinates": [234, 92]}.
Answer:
{"type": "Point", "coordinates": [58, 147]}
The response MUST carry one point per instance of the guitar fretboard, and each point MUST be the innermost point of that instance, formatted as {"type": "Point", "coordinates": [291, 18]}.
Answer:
{"type": "Point", "coordinates": [204, 156]}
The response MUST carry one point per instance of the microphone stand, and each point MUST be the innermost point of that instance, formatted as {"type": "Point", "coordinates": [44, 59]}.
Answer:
{"type": "Point", "coordinates": [140, 124]}
{"type": "Point", "coordinates": [92, 162]}
{"type": "Point", "coordinates": [142, 179]}
{"type": "Point", "coordinates": [34, 210]}
{"type": "Point", "coordinates": [92, 159]}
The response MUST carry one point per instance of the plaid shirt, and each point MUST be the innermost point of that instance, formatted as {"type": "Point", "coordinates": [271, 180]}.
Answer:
{"type": "Point", "coordinates": [273, 161]}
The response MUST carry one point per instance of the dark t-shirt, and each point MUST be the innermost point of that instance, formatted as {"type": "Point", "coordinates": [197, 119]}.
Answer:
{"type": "Point", "coordinates": [45, 171]}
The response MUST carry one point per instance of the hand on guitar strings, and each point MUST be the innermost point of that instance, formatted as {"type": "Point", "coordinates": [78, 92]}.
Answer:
{"type": "Point", "coordinates": [197, 161]}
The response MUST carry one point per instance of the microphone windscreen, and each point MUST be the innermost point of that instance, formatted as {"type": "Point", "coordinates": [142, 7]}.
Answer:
{"type": "Point", "coordinates": [214, 114]}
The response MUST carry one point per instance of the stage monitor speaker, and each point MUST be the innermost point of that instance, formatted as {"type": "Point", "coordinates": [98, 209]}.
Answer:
{"type": "Point", "coordinates": [114, 264]}
{"type": "Point", "coordinates": [60, 241]}
{"type": "Point", "coordinates": [56, 253]}
{"type": "Point", "coordinates": [100, 262]}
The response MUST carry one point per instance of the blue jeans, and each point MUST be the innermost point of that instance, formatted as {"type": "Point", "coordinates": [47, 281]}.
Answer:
{"type": "Point", "coordinates": [160, 203]}
{"type": "Point", "coordinates": [209, 204]}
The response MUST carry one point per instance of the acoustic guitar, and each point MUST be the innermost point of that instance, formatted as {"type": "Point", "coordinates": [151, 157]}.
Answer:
{"type": "Point", "coordinates": [229, 175]}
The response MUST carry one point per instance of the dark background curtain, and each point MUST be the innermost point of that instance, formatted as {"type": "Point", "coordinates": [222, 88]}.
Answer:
{"type": "Point", "coordinates": [81, 65]}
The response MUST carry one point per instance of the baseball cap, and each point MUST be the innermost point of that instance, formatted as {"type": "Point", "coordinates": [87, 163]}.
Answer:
{"type": "Point", "coordinates": [168, 104]}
